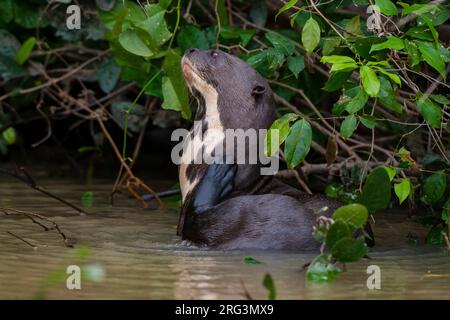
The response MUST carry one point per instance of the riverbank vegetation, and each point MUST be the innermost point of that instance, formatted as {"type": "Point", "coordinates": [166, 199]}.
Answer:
{"type": "Point", "coordinates": [360, 88]}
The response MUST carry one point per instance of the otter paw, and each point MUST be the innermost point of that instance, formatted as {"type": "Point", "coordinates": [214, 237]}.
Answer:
{"type": "Point", "coordinates": [215, 185]}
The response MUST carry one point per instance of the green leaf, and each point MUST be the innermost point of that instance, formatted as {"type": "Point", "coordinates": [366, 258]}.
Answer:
{"type": "Point", "coordinates": [391, 43]}
{"type": "Point", "coordinates": [391, 172]}
{"type": "Point", "coordinates": [322, 270]}
{"type": "Point", "coordinates": [357, 103]}
{"type": "Point", "coordinates": [376, 192]}
{"type": "Point", "coordinates": [9, 44]}
{"type": "Point", "coordinates": [370, 81]}
{"type": "Point", "coordinates": [131, 42]}
{"type": "Point", "coordinates": [446, 212]}
{"type": "Point", "coordinates": [338, 230]}
{"type": "Point", "coordinates": [174, 88]}
{"type": "Point", "coordinates": [258, 13]}
{"type": "Point", "coordinates": [281, 43]}
{"type": "Point", "coordinates": [336, 80]}
{"type": "Point", "coordinates": [386, 7]}
{"type": "Point", "coordinates": [337, 59]}
{"type": "Point", "coordinates": [368, 121]}
{"type": "Point", "coordinates": [391, 75]}
{"type": "Point", "coordinates": [192, 37]}
{"type": "Point", "coordinates": [435, 236]}
{"type": "Point", "coordinates": [439, 98]}
{"type": "Point", "coordinates": [432, 56]}
{"type": "Point", "coordinates": [354, 214]}
{"type": "Point", "coordinates": [413, 53]}
{"type": "Point", "coordinates": [329, 44]}
{"type": "Point", "coordinates": [310, 35]}
{"type": "Point", "coordinates": [278, 132]}
{"type": "Point", "coordinates": [348, 126]}
{"type": "Point", "coordinates": [349, 250]}
{"type": "Point", "coordinates": [403, 189]}
{"type": "Point", "coordinates": [387, 97]}
{"type": "Point", "coordinates": [270, 286]}
{"type": "Point", "coordinates": [431, 112]}
{"type": "Point", "coordinates": [87, 199]}
{"type": "Point", "coordinates": [251, 260]}
{"type": "Point", "coordinates": [9, 135]}
{"type": "Point", "coordinates": [156, 28]}
{"type": "Point", "coordinates": [108, 74]}
{"type": "Point", "coordinates": [25, 50]}
{"type": "Point", "coordinates": [433, 188]}
{"type": "Point", "coordinates": [286, 7]}
{"type": "Point", "coordinates": [296, 64]}
{"type": "Point", "coordinates": [298, 143]}
{"type": "Point", "coordinates": [6, 11]}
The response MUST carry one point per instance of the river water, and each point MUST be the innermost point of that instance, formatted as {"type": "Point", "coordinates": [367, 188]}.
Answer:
{"type": "Point", "coordinates": [133, 253]}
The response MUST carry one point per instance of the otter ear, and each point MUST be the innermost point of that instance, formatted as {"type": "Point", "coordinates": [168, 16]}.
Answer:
{"type": "Point", "coordinates": [258, 90]}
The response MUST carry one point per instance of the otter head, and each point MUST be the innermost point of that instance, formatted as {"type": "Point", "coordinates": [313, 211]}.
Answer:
{"type": "Point", "coordinates": [226, 81]}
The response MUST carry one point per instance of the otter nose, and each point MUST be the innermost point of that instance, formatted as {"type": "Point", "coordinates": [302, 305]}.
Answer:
{"type": "Point", "coordinates": [191, 50]}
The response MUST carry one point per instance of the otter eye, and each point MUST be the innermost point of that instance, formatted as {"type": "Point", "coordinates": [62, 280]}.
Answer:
{"type": "Point", "coordinates": [214, 54]}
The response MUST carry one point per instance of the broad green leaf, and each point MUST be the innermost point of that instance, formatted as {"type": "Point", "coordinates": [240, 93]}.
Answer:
{"type": "Point", "coordinates": [174, 88]}
{"type": "Point", "coordinates": [418, 9]}
{"type": "Point", "coordinates": [446, 212]}
{"type": "Point", "coordinates": [354, 214]}
{"type": "Point", "coordinates": [131, 42]}
{"type": "Point", "coordinates": [192, 37]}
{"type": "Point", "coordinates": [156, 28]}
{"type": "Point", "coordinates": [387, 96]}
{"type": "Point", "coordinates": [435, 236]}
{"type": "Point", "coordinates": [413, 53]}
{"type": "Point", "coordinates": [368, 121]}
{"type": "Point", "coordinates": [357, 103]}
{"type": "Point", "coordinates": [322, 270]}
{"type": "Point", "coordinates": [391, 43]}
{"type": "Point", "coordinates": [338, 230]}
{"type": "Point", "coordinates": [310, 35]}
{"type": "Point", "coordinates": [296, 64]}
{"type": "Point", "coordinates": [391, 172]}
{"type": "Point", "coordinates": [431, 112]}
{"type": "Point", "coordinates": [349, 250]}
{"type": "Point", "coordinates": [286, 7]}
{"type": "Point", "coordinates": [10, 135]}
{"type": "Point", "coordinates": [222, 12]}
{"type": "Point", "coordinates": [376, 192]}
{"type": "Point", "coordinates": [259, 12]}
{"type": "Point", "coordinates": [391, 75]}
{"type": "Point", "coordinates": [336, 80]}
{"type": "Point", "coordinates": [337, 59]}
{"type": "Point", "coordinates": [354, 26]}
{"type": "Point", "coordinates": [386, 7]}
{"type": "Point", "coordinates": [403, 189]}
{"type": "Point", "coordinates": [298, 143]}
{"type": "Point", "coordinates": [25, 50]}
{"type": "Point", "coordinates": [348, 126]}
{"type": "Point", "coordinates": [370, 81]}
{"type": "Point", "coordinates": [9, 45]}
{"type": "Point", "coordinates": [270, 286]}
{"type": "Point", "coordinates": [432, 56]}
{"type": "Point", "coordinates": [439, 98]}
{"type": "Point", "coordinates": [433, 188]}
{"type": "Point", "coordinates": [281, 43]}
{"type": "Point", "coordinates": [278, 132]}
{"type": "Point", "coordinates": [329, 44]}
{"type": "Point", "coordinates": [108, 73]}
{"type": "Point", "coordinates": [6, 10]}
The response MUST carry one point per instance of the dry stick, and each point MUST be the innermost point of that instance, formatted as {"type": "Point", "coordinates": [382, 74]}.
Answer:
{"type": "Point", "coordinates": [132, 178]}
{"type": "Point", "coordinates": [32, 183]}
{"type": "Point", "coordinates": [22, 239]}
{"type": "Point", "coordinates": [56, 80]}
{"type": "Point", "coordinates": [34, 218]}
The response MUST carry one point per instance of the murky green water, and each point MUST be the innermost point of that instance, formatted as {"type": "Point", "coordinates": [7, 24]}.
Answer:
{"type": "Point", "coordinates": [142, 258]}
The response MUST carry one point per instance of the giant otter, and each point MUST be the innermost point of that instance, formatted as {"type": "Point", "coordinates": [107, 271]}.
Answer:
{"type": "Point", "coordinates": [227, 206]}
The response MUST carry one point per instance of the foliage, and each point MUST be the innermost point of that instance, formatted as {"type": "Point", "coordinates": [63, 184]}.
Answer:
{"type": "Point", "coordinates": [371, 105]}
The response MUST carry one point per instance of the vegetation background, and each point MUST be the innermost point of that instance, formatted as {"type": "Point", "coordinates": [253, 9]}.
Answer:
{"type": "Point", "coordinates": [360, 87]}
